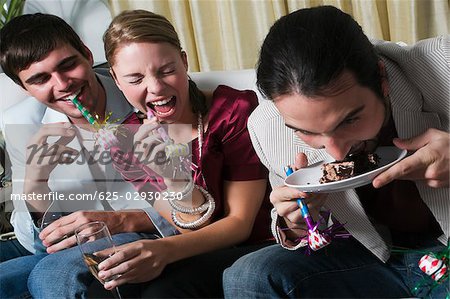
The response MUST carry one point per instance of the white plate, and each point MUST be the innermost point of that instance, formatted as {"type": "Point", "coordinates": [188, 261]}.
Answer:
{"type": "Point", "coordinates": [307, 179]}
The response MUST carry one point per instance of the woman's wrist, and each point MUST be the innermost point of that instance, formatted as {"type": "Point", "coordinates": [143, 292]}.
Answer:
{"type": "Point", "coordinates": [173, 248]}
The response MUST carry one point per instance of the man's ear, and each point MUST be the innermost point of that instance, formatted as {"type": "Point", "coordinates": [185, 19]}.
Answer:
{"type": "Point", "coordinates": [113, 75]}
{"type": "Point", "coordinates": [89, 55]}
{"type": "Point", "coordinates": [384, 81]}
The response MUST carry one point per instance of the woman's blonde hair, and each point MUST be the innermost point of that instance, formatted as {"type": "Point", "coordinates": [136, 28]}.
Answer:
{"type": "Point", "coordinates": [136, 26]}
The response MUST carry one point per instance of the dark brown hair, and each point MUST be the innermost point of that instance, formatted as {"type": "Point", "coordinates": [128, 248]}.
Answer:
{"type": "Point", "coordinates": [30, 38]}
{"type": "Point", "coordinates": [306, 50]}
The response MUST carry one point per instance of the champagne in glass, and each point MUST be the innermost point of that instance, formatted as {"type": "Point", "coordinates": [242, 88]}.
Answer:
{"type": "Point", "coordinates": [92, 262]}
{"type": "Point", "coordinates": [92, 238]}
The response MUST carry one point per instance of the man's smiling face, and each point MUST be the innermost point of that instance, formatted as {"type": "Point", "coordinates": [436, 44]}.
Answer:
{"type": "Point", "coordinates": [63, 73]}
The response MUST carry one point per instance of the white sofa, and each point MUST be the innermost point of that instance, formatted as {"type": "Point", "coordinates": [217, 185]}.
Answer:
{"type": "Point", "coordinates": [239, 79]}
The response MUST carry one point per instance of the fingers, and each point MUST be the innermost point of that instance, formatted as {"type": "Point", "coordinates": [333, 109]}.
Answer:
{"type": "Point", "coordinates": [316, 200]}
{"type": "Point", "coordinates": [120, 267]}
{"type": "Point", "coordinates": [152, 120]}
{"type": "Point", "coordinates": [66, 241]}
{"type": "Point", "coordinates": [148, 143]}
{"type": "Point", "coordinates": [133, 271]}
{"type": "Point", "coordinates": [145, 131]}
{"type": "Point", "coordinates": [284, 194]}
{"type": "Point", "coordinates": [419, 141]}
{"type": "Point", "coordinates": [399, 170]}
{"type": "Point", "coordinates": [41, 153]}
{"type": "Point", "coordinates": [301, 161]}
{"type": "Point", "coordinates": [121, 254]}
{"type": "Point", "coordinates": [57, 129]}
{"type": "Point", "coordinates": [134, 262]}
{"type": "Point", "coordinates": [114, 281]}
{"type": "Point", "coordinates": [59, 235]}
{"type": "Point", "coordinates": [437, 183]}
{"type": "Point", "coordinates": [283, 199]}
{"type": "Point", "coordinates": [428, 163]}
{"type": "Point", "coordinates": [59, 227]}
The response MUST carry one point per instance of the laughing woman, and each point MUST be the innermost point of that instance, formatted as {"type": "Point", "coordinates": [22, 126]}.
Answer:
{"type": "Point", "coordinates": [229, 185]}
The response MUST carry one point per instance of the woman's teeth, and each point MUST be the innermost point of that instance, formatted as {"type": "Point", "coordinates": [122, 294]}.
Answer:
{"type": "Point", "coordinates": [162, 102]}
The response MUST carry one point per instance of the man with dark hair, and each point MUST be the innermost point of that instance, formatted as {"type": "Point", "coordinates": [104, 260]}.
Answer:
{"type": "Point", "coordinates": [46, 136]}
{"type": "Point", "coordinates": [335, 93]}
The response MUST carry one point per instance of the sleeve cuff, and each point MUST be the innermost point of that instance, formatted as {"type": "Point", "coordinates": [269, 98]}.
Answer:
{"type": "Point", "coordinates": [280, 236]}
{"type": "Point", "coordinates": [164, 227]}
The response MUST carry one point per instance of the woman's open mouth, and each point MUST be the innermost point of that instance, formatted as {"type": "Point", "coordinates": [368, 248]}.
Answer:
{"type": "Point", "coordinates": [163, 107]}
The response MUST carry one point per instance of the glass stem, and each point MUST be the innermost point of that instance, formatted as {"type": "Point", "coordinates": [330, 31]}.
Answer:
{"type": "Point", "coordinates": [116, 293]}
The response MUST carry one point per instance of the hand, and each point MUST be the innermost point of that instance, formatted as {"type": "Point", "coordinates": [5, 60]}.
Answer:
{"type": "Point", "coordinates": [43, 157]}
{"type": "Point", "coordinates": [283, 197]}
{"type": "Point", "coordinates": [429, 162]}
{"type": "Point", "coordinates": [59, 234]}
{"type": "Point", "coordinates": [150, 147]}
{"type": "Point", "coordinates": [136, 262]}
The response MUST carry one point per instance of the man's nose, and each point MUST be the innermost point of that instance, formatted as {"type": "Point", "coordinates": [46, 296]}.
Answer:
{"type": "Point", "coordinates": [62, 83]}
{"type": "Point", "coordinates": [337, 148]}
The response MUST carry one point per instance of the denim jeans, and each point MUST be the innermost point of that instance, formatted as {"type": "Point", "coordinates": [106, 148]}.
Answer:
{"type": "Point", "coordinates": [14, 275]}
{"type": "Point", "coordinates": [59, 275]}
{"type": "Point", "coordinates": [343, 269]}
{"type": "Point", "coordinates": [11, 249]}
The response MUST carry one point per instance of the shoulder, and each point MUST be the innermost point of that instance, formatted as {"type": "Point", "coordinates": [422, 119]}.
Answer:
{"type": "Point", "coordinates": [266, 118]}
{"type": "Point", "coordinates": [419, 83]}
{"type": "Point", "coordinates": [421, 68]}
{"type": "Point", "coordinates": [231, 104]}
{"type": "Point", "coordinates": [116, 103]}
{"type": "Point", "coordinates": [433, 50]}
{"type": "Point", "coordinates": [226, 96]}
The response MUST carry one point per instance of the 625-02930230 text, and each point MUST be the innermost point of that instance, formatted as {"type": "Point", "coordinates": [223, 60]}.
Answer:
{"type": "Point", "coordinates": [99, 195]}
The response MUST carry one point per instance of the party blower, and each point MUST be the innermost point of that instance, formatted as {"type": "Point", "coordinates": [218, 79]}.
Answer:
{"type": "Point", "coordinates": [105, 133]}
{"type": "Point", "coordinates": [316, 239]}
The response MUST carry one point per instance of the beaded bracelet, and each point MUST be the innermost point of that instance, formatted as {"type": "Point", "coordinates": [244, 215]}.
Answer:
{"type": "Point", "coordinates": [211, 205]}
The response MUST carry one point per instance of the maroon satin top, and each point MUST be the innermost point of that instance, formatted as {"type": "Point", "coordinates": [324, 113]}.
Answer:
{"type": "Point", "coordinates": [228, 154]}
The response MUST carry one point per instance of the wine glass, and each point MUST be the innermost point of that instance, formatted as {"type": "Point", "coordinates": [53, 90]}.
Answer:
{"type": "Point", "coordinates": [47, 219]}
{"type": "Point", "coordinates": [93, 237]}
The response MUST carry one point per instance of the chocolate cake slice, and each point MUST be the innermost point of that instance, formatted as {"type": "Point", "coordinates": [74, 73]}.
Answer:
{"type": "Point", "coordinates": [352, 165]}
